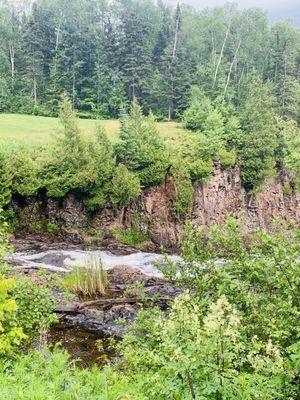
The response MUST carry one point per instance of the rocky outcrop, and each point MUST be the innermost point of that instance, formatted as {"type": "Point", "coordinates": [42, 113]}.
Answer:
{"type": "Point", "coordinates": [153, 210]}
{"type": "Point", "coordinates": [129, 291]}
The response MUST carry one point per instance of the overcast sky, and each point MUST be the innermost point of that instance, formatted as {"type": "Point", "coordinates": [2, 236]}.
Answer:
{"type": "Point", "coordinates": [277, 9]}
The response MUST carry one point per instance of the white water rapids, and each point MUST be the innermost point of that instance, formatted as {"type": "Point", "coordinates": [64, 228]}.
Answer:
{"type": "Point", "coordinates": [65, 260]}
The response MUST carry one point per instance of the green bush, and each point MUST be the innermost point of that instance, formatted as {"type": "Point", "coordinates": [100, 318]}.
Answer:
{"type": "Point", "coordinates": [197, 353]}
{"type": "Point", "coordinates": [11, 334]}
{"type": "Point", "coordinates": [5, 179]}
{"type": "Point", "coordinates": [26, 168]}
{"type": "Point", "coordinates": [36, 306]}
{"type": "Point", "coordinates": [103, 166]}
{"type": "Point", "coordinates": [214, 130]}
{"type": "Point", "coordinates": [183, 188]}
{"type": "Point", "coordinates": [197, 158]}
{"type": "Point", "coordinates": [51, 228]}
{"type": "Point", "coordinates": [259, 276]}
{"type": "Point", "coordinates": [131, 237]}
{"type": "Point", "coordinates": [97, 198]}
{"type": "Point", "coordinates": [290, 133]}
{"type": "Point", "coordinates": [257, 154]}
{"type": "Point", "coordinates": [227, 158]}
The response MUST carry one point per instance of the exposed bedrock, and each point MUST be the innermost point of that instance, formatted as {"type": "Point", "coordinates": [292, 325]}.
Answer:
{"type": "Point", "coordinates": [153, 210]}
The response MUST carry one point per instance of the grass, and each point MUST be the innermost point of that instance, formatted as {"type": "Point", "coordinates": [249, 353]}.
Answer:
{"type": "Point", "coordinates": [33, 130]}
{"type": "Point", "coordinates": [41, 130]}
{"type": "Point", "coordinates": [89, 281]}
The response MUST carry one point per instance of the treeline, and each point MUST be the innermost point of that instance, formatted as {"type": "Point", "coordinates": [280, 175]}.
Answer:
{"type": "Point", "coordinates": [103, 54]}
{"type": "Point", "coordinates": [105, 174]}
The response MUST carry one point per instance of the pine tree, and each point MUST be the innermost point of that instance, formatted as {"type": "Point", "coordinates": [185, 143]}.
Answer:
{"type": "Point", "coordinates": [196, 114]}
{"type": "Point", "coordinates": [284, 68]}
{"type": "Point", "coordinates": [36, 53]}
{"type": "Point", "coordinates": [257, 152]}
{"type": "Point", "coordinates": [124, 187]}
{"type": "Point", "coordinates": [175, 70]}
{"type": "Point", "coordinates": [69, 168]}
{"type": "Point", "coordinates": [141, 149]}
{"type": "Point", "coordinates": [138, 22]}
{"type": "Point", "coordinates": [214, 130]}
{"type": "Point", "coordinates": [290, 132]}
{"type": "Point", "coordinates": [102, 170]}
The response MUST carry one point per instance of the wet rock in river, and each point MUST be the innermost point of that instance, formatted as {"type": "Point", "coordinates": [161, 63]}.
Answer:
{"type": "Point", "coordinates": [132, 290]}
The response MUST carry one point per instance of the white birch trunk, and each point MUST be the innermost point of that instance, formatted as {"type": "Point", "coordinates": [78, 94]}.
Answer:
{"type": "Point", "coordinates": [221, 55]}
{"type": "Point", "coordinates": [231, 67]}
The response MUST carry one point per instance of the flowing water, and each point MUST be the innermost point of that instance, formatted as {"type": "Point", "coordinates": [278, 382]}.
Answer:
{"type": "Point", "coordinates": [65, 260]}
{"type": "Point", "coordinates": [83, 345]}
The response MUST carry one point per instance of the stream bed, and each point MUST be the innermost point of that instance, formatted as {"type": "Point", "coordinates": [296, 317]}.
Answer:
{"type": "Point", "coordinates": [88, 336]}
{"type": "Point", "coordinates": [86, 348]}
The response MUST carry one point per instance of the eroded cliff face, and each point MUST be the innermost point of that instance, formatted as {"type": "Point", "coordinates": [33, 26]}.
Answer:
{"type": "Point", "coordinates": [153, 210]}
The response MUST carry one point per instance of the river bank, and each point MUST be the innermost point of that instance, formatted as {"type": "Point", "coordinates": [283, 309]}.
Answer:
{"type": "Point", "coordinates": [134, 283]}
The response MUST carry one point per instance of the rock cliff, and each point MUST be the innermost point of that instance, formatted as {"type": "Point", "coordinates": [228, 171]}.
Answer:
{"type": "Point", "coordinates": [153, 210]}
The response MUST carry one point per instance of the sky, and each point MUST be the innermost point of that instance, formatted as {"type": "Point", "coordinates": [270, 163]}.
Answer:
{"type": "Point", "coordinates": [276, 9]}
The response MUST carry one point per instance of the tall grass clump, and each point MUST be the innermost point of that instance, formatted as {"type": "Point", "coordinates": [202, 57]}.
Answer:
{"type": "Point", "coordinates": [90, 280]}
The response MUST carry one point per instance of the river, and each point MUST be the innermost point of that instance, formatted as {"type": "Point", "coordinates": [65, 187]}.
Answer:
{"type": "Point", "coordinates": [82, 344]}
{"type": "Point", "coordinates": [65, 259]}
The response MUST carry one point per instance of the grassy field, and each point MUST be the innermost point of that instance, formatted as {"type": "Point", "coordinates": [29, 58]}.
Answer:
{"type": "Point", "coordinates": [29, 129]}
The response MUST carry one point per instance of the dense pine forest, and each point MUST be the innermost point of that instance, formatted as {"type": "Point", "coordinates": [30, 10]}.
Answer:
{"type": "Point", "coordinates": [229, 77]}
{"type": "Point", "coordinates": [105, 53]}
{"type": "Point", "coordinates": [177, 99]}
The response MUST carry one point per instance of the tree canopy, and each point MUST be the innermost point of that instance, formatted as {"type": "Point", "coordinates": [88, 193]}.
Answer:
{"type": "Point", "coordinates": [103, 54]}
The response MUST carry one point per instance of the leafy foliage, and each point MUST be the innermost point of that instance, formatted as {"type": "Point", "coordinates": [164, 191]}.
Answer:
{"type": "Point", "coordinates": [51, 375]}
{"type": "Point", "coordinates": [291, 142]}
{"type": "Point", "coordinates": [196, 157]}
{"type": "Point", "coordinates": [26, 172]}
{"type": "Point", "coordinates": [258, 274]}
{"type": "Point", "coordinates": [200, 106]}
{"type": "Point", "coordinates": [227, 158]}
{"type": "Point", "coordinates": [11, 335]}
{"type": "Point", "coordinates": [219, 126]}
{"type": "Point", "coordinates": [36, 306]}
{"type": "Point", "coordinates": [193, 353]}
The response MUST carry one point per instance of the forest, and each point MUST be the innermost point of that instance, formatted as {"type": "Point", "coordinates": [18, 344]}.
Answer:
{"type": "Point", "coordinates": [102, 54]}
{"type": "Point", "coordinates": [172, 96]}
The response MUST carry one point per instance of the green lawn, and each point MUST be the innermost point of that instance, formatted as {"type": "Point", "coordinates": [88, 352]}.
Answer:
{"type": "Point", "coordinates": [32, 130]}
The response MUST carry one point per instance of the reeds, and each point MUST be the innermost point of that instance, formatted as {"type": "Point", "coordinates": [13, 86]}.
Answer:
{"type": "Point", "coordinates": [90, 280]}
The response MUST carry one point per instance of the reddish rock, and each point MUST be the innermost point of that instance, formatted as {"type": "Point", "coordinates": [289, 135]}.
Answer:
{"type": "Point", "coordinates": [153, 210]}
